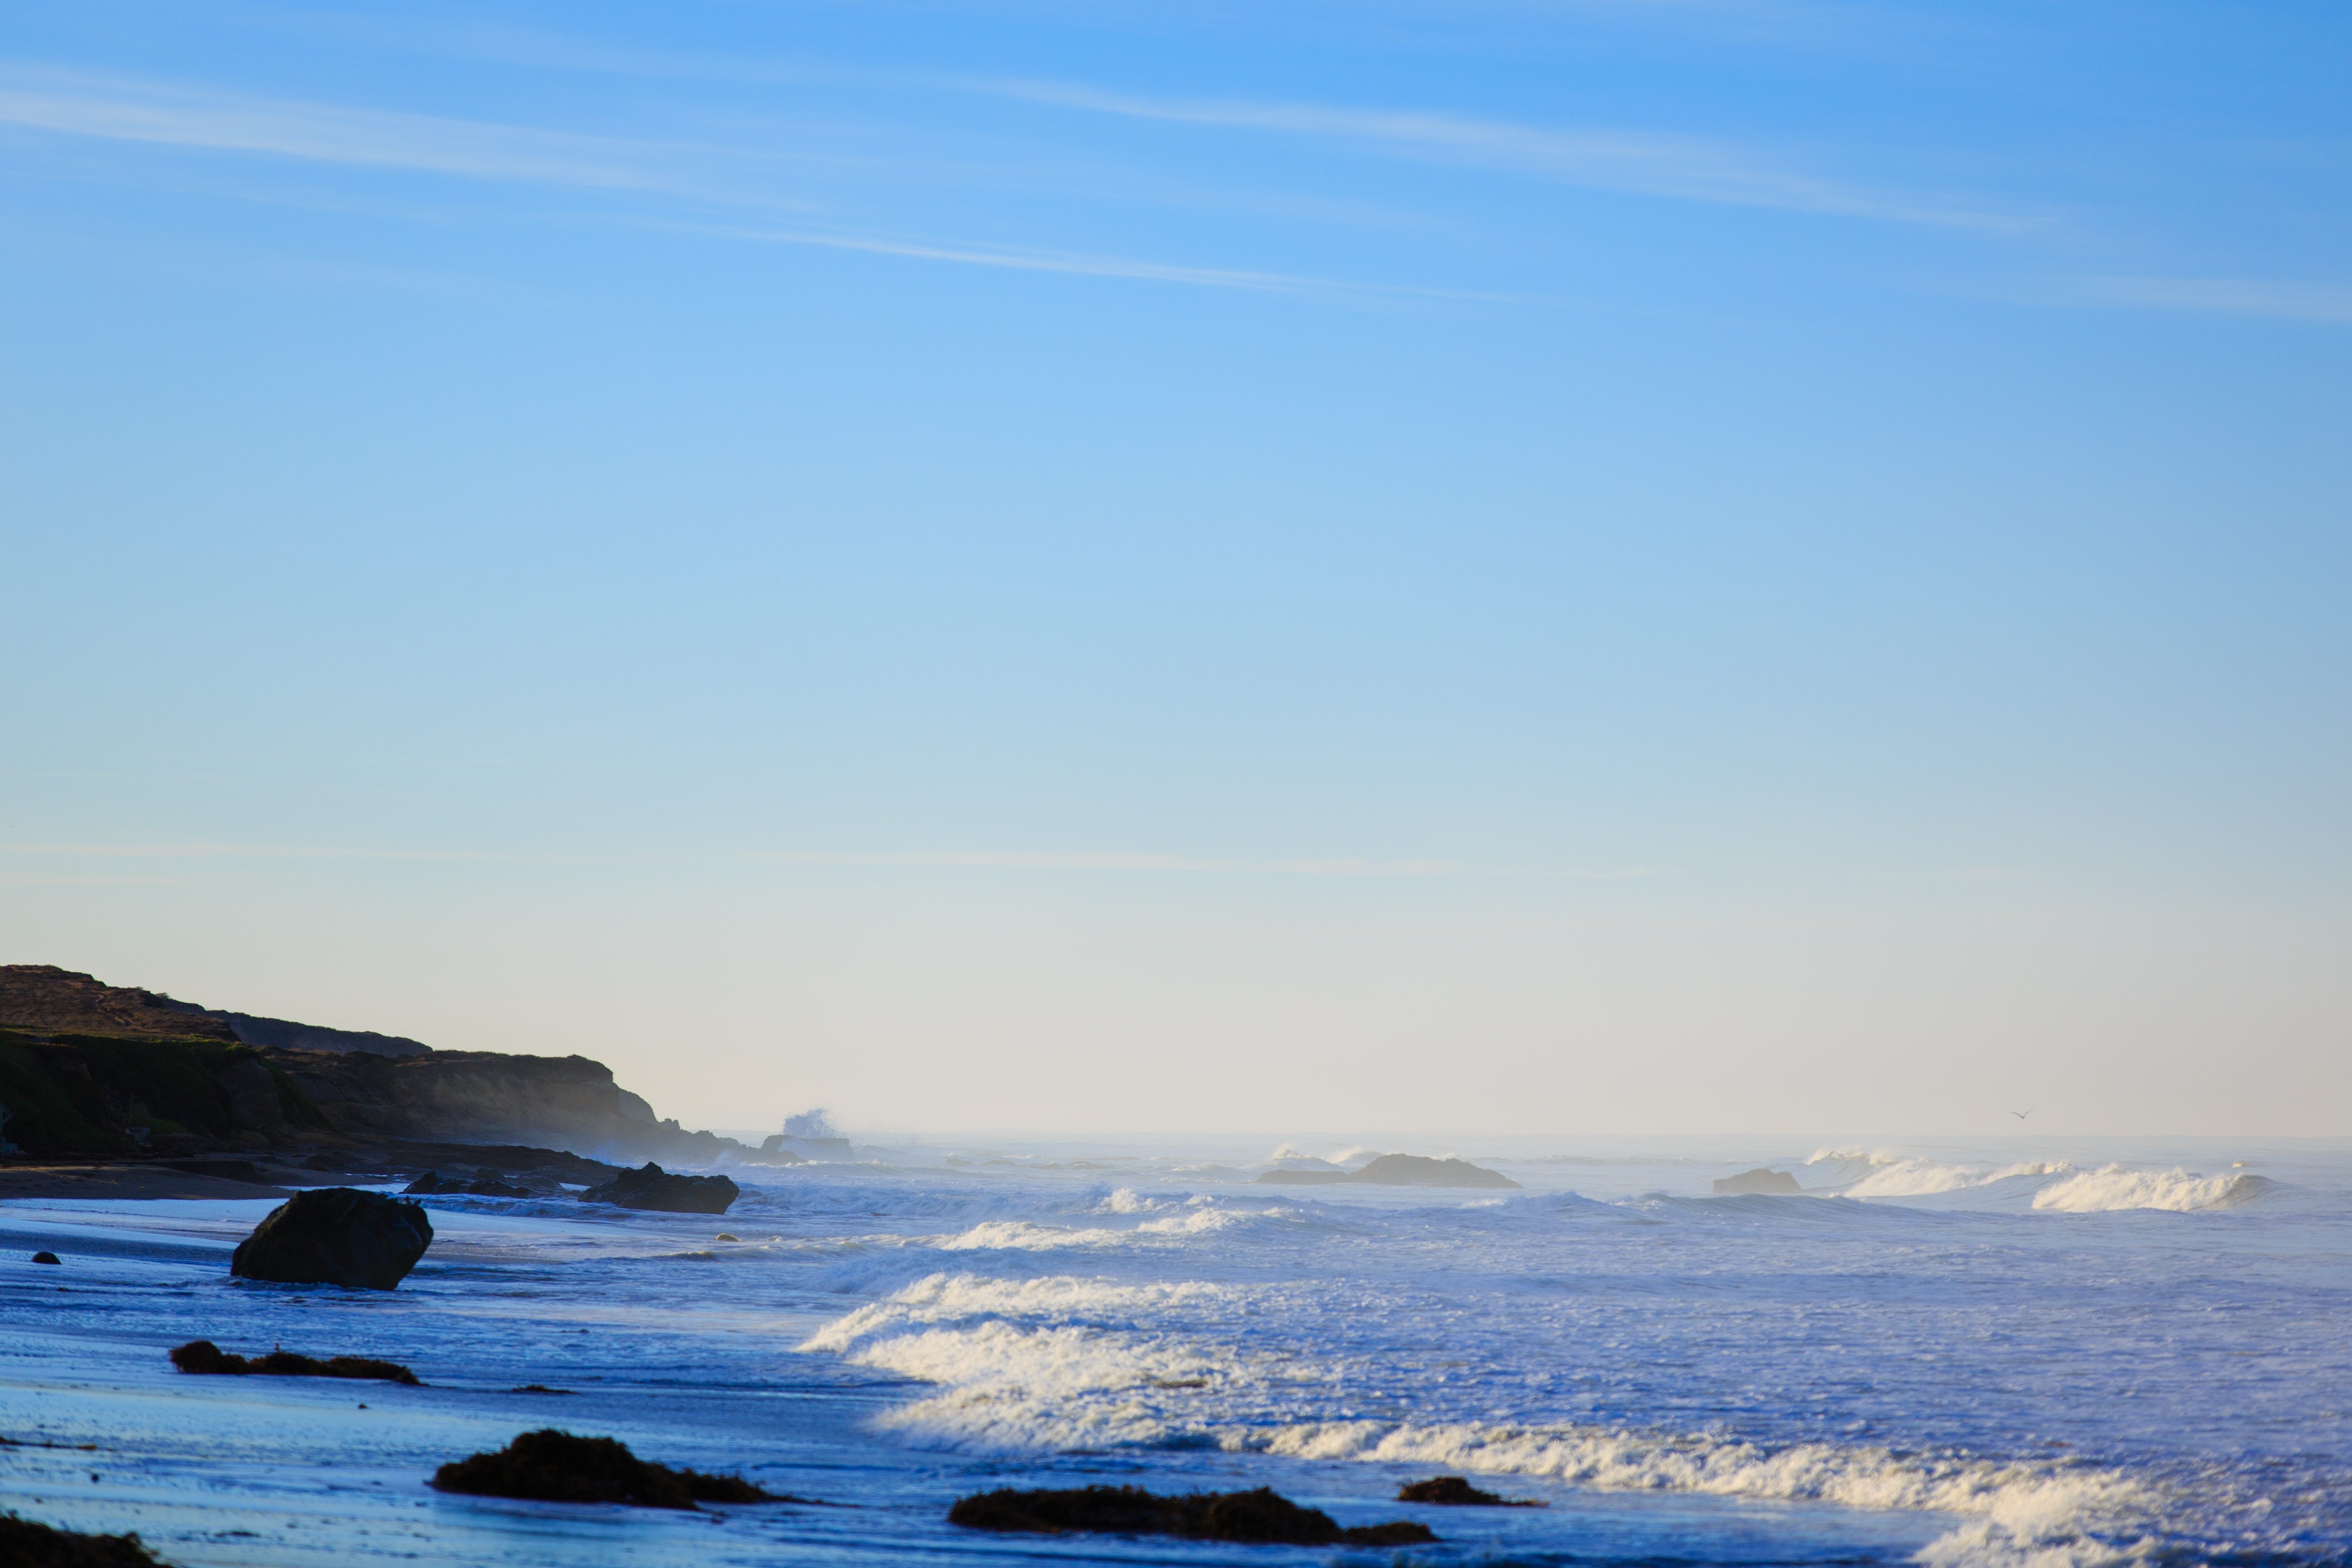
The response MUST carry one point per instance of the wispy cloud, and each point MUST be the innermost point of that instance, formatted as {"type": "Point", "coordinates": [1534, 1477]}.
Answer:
{"type": "Point", "coordinates": [121, 110]}
{"type": "Point", "coordinates": [1084, 266]}
{"type": "Point", "coordinates": [2233, 297]}
{"type": "Point", "coordinates": [1683, 167]}
{"type": "Point", "coordinates": [745, 179]}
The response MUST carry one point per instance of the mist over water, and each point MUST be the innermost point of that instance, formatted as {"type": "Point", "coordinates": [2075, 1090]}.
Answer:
{"type": "Point", "coordinates": [2011, 1352]}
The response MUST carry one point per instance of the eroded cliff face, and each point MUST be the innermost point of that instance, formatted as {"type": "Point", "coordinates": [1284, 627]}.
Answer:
{"type": "Point", "coordinates": [560, 1101]}
{"type": "Point", "coordinates": [89, 1067]}
{"type": "Point", "coordinates": [109, 1094]}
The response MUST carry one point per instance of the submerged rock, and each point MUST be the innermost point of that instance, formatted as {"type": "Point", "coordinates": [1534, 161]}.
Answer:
{"type": "Point", "coordinates": [206, 1359]}
{"type": "Point", "coordinates": [1262, 1515]}
{"type": "Point", "coordinates": [26, 1543]}
{"type": "Point", "coordinates": [552, 1465]}
{"type": "Point", "coordinates": [484, 1185]}
{"type": "Point", "coordinates": [1759, 1180]}
{"type": "Point", "coordinates": [336, 1235]}
{"type": "Point", "coordinates": [1454, 1492]}
{"type": "Point", "coordinates": [651, 1187]}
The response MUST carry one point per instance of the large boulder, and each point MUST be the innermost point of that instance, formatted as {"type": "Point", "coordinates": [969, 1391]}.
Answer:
{"type": "Point", "coordinates": [651, 1187]}
{"type": "Point", "coordinates": [336, 1235]}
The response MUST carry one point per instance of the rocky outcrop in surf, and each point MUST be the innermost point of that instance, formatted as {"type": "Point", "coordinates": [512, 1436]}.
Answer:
{"type": "Point", "coordinates": [336, 1235]}
{"type": "Point", "coordinates": [202, 1358]}
{"type": "Point", "coordinates": [1397, 1171]}
{"type": "Point", "coordinates": [551, 1466]}
{"type": "Point", "coordinates": [651, 1187]}
{"type": "Point", "coordinates": [1456, 1491]}
{"type": "Point", "coordinates": [1262, 1515]}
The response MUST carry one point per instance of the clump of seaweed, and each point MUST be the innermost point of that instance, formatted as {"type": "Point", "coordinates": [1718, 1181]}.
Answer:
{"type": "Point", "coordinates": [203, 1357]}
{"type": "Point", "coordinates": [27, 1543]}
{"type": "Point", "coordinates": [552, 1465]}
{"type": "Point", "coordinates": [1262, 1515]}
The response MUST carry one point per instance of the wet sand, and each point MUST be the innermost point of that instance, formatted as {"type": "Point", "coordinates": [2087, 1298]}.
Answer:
{"type": "Point", "coordinates": [85, 1181]}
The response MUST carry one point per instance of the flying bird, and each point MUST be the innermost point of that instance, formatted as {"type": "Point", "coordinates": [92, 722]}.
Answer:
{"type": "Point", "coordinates": [2021, 1115]}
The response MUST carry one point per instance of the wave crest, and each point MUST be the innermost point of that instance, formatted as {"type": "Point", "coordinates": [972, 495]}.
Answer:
{"type": "Point", "coordinates": [2114, 1187]}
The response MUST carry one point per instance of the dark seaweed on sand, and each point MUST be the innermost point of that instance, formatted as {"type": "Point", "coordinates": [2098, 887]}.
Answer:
{"type": "Point", "coordinates": [202, 1356]}
{"type": "Point", "coordinates": [25, 1543]}
{"type": "Point", "coordinates": [552, 1465]}
{"type": "Point", "coordinates": [1262, 1515]}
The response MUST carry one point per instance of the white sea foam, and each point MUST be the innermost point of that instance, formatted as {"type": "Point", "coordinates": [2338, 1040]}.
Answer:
{"type": "Point", "coordinates": [2056, 1184]}
{"type": "Point", "coordinates": [2025, 1510]}
{"type": "Point", "coordinates": [1028, 1235]}
{"type": "Point", "coordinates": [943, 1298]}
{"type": "Point", "coordinates": [2116, 1187]}
{"type": "Point", "coordinates": [1911, 1178]}
{"type": "Point", "coordinates": [1065, 1364]}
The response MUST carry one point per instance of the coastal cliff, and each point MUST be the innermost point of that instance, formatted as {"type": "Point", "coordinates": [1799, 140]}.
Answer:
{"type": "Point", "coordinates": [87, 1067]}
{"type": "Point", "coordinates": [42, 997]}
{"type": "Point", "coordinates": [564, 1102]}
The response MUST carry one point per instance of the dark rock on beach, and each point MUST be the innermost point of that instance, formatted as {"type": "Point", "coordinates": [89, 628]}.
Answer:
{"type": "Point", "coordinates": [651, 1187]}
{"type": "Point", "coordinates": [1454, 1492]}
{"type": "Point", "coordinates": [26, 1543]}
{"type": "Point", "coordinates": [551, 1466]}
{"type": "Point", "coordinates": [1398, 1170]}
{"type": "Point", "coordinates": [47, 1257]}
{"type": "Point", "coordinates": [206, 1359]}
{"type": "Point", "coordinates": [1262, 1515]}
{"type": "Point", "coordinates": [1759, 1180]}
{"type": "Point", "coordinates": [336, 1235]}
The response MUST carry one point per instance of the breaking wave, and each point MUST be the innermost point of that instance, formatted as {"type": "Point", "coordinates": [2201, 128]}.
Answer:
{"type": "Point", "coordinates": [1063, 1364]}
{"type": "Point", "coordinates": [2023, 1513]}
{"type": "Point", "coordinates": [2114, 1187]}
{"type": "Point", "coordinates": [2056, 1184]}
{"type": "Point", "coordinates": [1027, 1236]}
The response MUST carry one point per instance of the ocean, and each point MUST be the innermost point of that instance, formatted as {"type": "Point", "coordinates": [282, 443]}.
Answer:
{"type": "Point", "coordinates": [2044, 1352]}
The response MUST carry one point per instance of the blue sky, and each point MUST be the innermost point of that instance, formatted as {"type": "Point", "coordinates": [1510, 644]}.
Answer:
{"type": "Point", "coordinates": [1713, 566]}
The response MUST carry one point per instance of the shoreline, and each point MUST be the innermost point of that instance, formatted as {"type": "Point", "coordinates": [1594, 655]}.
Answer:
{"type": "Point", "coordinates": [117, 1182]}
